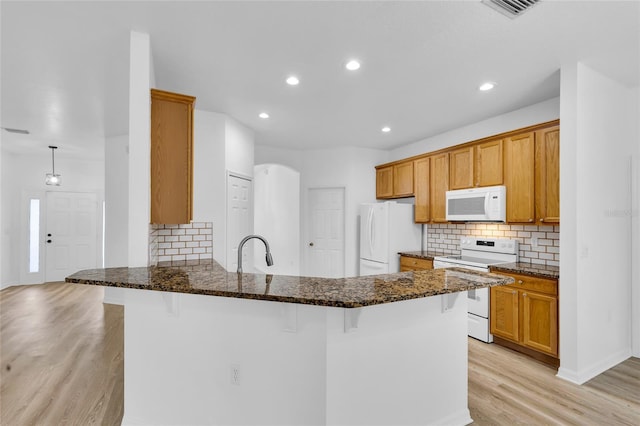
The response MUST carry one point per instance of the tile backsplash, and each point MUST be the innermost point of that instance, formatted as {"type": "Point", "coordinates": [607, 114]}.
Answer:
{"type": "Point", "coordinates": [192, 241]}
{"type": "Point", "coordinates": [537, 244]}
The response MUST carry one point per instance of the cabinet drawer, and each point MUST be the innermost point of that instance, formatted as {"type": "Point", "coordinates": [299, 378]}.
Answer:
{"type": "Point", "coordinates": [540, 285]}
{"type": "Point", "coordinates": [412, 263]}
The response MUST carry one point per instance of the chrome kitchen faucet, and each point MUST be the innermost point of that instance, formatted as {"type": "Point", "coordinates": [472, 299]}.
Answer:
{"type": "Point", "coordinates": [269, 259]}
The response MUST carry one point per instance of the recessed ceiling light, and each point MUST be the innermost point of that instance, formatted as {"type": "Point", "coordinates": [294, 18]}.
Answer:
{"type": "Point", "coordinates": [292, 80]}
{"type": "Point", "coordinates": [386, 129]}
{"type": "Point", "coordinates": [352, 65]}
{"type": "Point", "coordinates": [263, 115]}
{"type": "Point", "coordinates": [487, 86]}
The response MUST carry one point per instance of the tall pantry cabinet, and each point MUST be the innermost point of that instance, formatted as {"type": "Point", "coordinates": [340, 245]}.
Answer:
{"type": "Point", "coordinates": [171, 157]}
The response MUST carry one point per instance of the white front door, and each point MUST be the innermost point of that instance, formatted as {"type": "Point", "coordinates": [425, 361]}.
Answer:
{"type": "Point", "coordinates": [239, 221]}
{"type": "Point", "coordinates": [71, 234]}
{"type": "Point", "coordinates": [325, 232]}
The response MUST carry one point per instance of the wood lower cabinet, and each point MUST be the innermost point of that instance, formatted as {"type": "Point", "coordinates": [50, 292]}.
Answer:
{"type": "Point", "coordinates": [395, 181]}
{"type": "Point", "coordinates": [408, 263]}
{"type": "Point", "coordinates": [171, 157]}
{"type": "Point", "coordinates": [547, 153]}
{"type": "Point", "coordinates": [526, 314]}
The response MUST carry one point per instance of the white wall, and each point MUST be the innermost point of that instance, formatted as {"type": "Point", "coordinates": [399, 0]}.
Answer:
{"type": "Point", "coordinates": [221, 145]}
{"type": "Point", "coordinates": [534, 114]}
{"type": "Point", "coordinates": [634, 112]}
{"type": "Point", "coordinates": [116, 201]}
{"type": "Point", "coordinates": [140, 83]}
{"type": "Point", "coordinates": [24, 176]}
{"type": "Point", "coordinates": [348, 167]}
{"type": "Point", "coordinates": [598, 139]}
{"type": "Point", "coordinates": [276, 217]}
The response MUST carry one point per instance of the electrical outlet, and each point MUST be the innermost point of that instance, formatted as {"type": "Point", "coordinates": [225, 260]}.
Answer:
{"type": "Point", "coordinates": [234, 374]}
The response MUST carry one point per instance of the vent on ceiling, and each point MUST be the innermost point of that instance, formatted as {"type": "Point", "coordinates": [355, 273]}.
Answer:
{"type": "Point", "coordinates": [511, 8]}
{"type": "Point", "coordinates": [19, 131]}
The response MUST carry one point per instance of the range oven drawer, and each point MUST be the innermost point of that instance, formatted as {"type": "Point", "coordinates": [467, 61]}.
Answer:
{"type": "Point", "coordinates": [478, 301]}
{"type": "Point", "coordinates": [479, 328]}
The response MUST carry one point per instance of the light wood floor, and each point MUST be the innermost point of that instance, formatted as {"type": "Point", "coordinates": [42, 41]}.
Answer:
{"type": "Point", "coordinates": [61, 363]}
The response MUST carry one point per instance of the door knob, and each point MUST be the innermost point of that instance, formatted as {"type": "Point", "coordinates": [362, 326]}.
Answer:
{"type": "Point", "coordinates": [310, 244]}
{"type": "Point", "coordinates": [48, 235]}
{"type": "Point", "coordinates": [48, 241]}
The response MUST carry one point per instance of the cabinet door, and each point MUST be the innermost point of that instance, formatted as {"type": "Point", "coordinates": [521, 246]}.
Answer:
{"type": "Point", "coordinates": [540, 322]}
{"type": "Point", "coordinates": [439, 186]}
{"type": "Point", "coordinates": [489, 163]}
{"type": "Point", "coordinates": [519, 177]}
{"type": "Point", "coordinates": [421, 190]}
{"type": "Point", "coordinates": [548, 175]}
{"type": "Point", "coordinates": [384, 182]}
{"type": "Point", "coordinates": [403, 179]}
{"type": "Point", "coordinates": [504, 312]}
{"type": "Point", "coordinates": [461, 168]}
{"type": "Point", "coordinates": [171, 157]}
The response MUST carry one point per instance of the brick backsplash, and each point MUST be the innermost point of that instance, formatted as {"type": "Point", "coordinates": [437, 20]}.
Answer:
{"type": "Point", "coordinates": [446, 238]}
{"type": "Point", "coordinates": [192, 241]}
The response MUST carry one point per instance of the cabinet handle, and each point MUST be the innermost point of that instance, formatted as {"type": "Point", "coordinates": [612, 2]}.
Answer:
{"type": "Point", "coordinates": [520, 282]}
{"type": "Point", "coordinates": [524, 294]}
{"type": "Point", "coordinates": [541, 220]}
{"type": "Point", "coordinates": [530, 220]}
{"type": "Point", "coordinates": [514, 292]}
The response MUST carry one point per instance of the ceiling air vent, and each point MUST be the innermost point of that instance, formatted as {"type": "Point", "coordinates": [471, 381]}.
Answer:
{"type": "Point", "coordinates": [511, 8]}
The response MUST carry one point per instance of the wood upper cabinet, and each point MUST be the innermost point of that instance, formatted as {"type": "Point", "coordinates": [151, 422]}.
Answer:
{"type": "Point", "coordinates": [476, 165]}
{"type": "Point", "coordinates": [384, 182]}
{"type": "Point", "coordinates": [489, 163]}
{"type": "Point", "coordinates": [461, 173]}
{"type": "Point", "coordinates": [547, 175]}
{"type": "Point", "coordinates": [526, 313]}
{"type": "Point", "coordinates": [171, 157]}
{"type": "Point", "coordinates": [403, 179]}
{"type": "Point", "coordinates": [421, 188]}
{"type": "Point", "coordinates": [439, 185]}
{"type": "Point", "coordinates": [395, 181]}
{"type": "Point", "coordinates": [519, 155]}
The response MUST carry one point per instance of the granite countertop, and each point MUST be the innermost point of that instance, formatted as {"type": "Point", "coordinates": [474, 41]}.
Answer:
{"type": "Point", "coordinates": [423, 254]}
{"type": "Point", "coordinates": [526, 268]}
{"type": "Point", "coordinates": [209, 278]}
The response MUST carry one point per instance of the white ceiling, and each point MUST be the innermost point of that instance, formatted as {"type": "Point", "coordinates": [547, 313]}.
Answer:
{"type": "Point", "coordinates": [65, 65]}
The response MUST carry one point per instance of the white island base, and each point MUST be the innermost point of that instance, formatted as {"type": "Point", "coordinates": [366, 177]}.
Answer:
{"type": "Point", "coordinates": [401, 363]}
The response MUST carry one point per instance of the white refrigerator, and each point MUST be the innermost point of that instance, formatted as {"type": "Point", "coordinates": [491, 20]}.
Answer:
{"type": "Point", "coordinates": [386, 229]}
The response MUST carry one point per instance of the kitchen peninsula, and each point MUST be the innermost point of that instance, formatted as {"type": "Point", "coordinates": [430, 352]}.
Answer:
{"type": "Point", "coordinates": [205, 346]}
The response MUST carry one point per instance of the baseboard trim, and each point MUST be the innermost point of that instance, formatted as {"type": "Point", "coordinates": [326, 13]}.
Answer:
{"type": "Point", "coordinates": [586, 374]}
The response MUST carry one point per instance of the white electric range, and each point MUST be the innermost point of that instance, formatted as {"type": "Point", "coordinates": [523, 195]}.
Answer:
{"type": "Point", "coordinates": [478, 254]}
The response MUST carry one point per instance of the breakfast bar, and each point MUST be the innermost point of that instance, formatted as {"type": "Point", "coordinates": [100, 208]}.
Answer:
{"type": "Point", "coordinates": [206, 346]}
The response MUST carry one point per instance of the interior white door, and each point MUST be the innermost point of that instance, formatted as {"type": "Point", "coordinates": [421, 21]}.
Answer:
{"type": "Point", "coordinates": [325, 247]}
{"type": "Point", "coordinates": [71, 234]}
{"type": "Point", "coordinates": [239, 221]}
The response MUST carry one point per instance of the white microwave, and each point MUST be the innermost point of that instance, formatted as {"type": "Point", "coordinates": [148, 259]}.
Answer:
{"type": "Point", "coordinates": [488, 204]}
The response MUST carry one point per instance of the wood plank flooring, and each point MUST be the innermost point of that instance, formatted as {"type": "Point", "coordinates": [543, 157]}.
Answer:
{"type": "Point", "coordinates": [61, 356]}
{"type": "Point", "coordinates": [61, 363]}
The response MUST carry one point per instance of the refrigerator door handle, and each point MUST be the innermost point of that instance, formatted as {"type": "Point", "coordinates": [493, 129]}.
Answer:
{"type": "Point", "coordinates": [371, 230]}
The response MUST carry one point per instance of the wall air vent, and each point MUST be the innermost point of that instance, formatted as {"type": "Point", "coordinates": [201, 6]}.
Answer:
{"type": "Point", "coordinates": [511, 8]}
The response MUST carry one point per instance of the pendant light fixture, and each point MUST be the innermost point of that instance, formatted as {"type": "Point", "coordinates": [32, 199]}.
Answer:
{"type": "Point", "coordinates": [53, 178]}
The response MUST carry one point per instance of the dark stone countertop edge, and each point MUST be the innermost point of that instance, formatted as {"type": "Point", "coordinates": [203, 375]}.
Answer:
{"type": "Point", "coordinates": [348, 301]}
{"type": "Point", "coordinates": [530, 269]}
{"type": "Point", "coordinates": [428, 255]}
